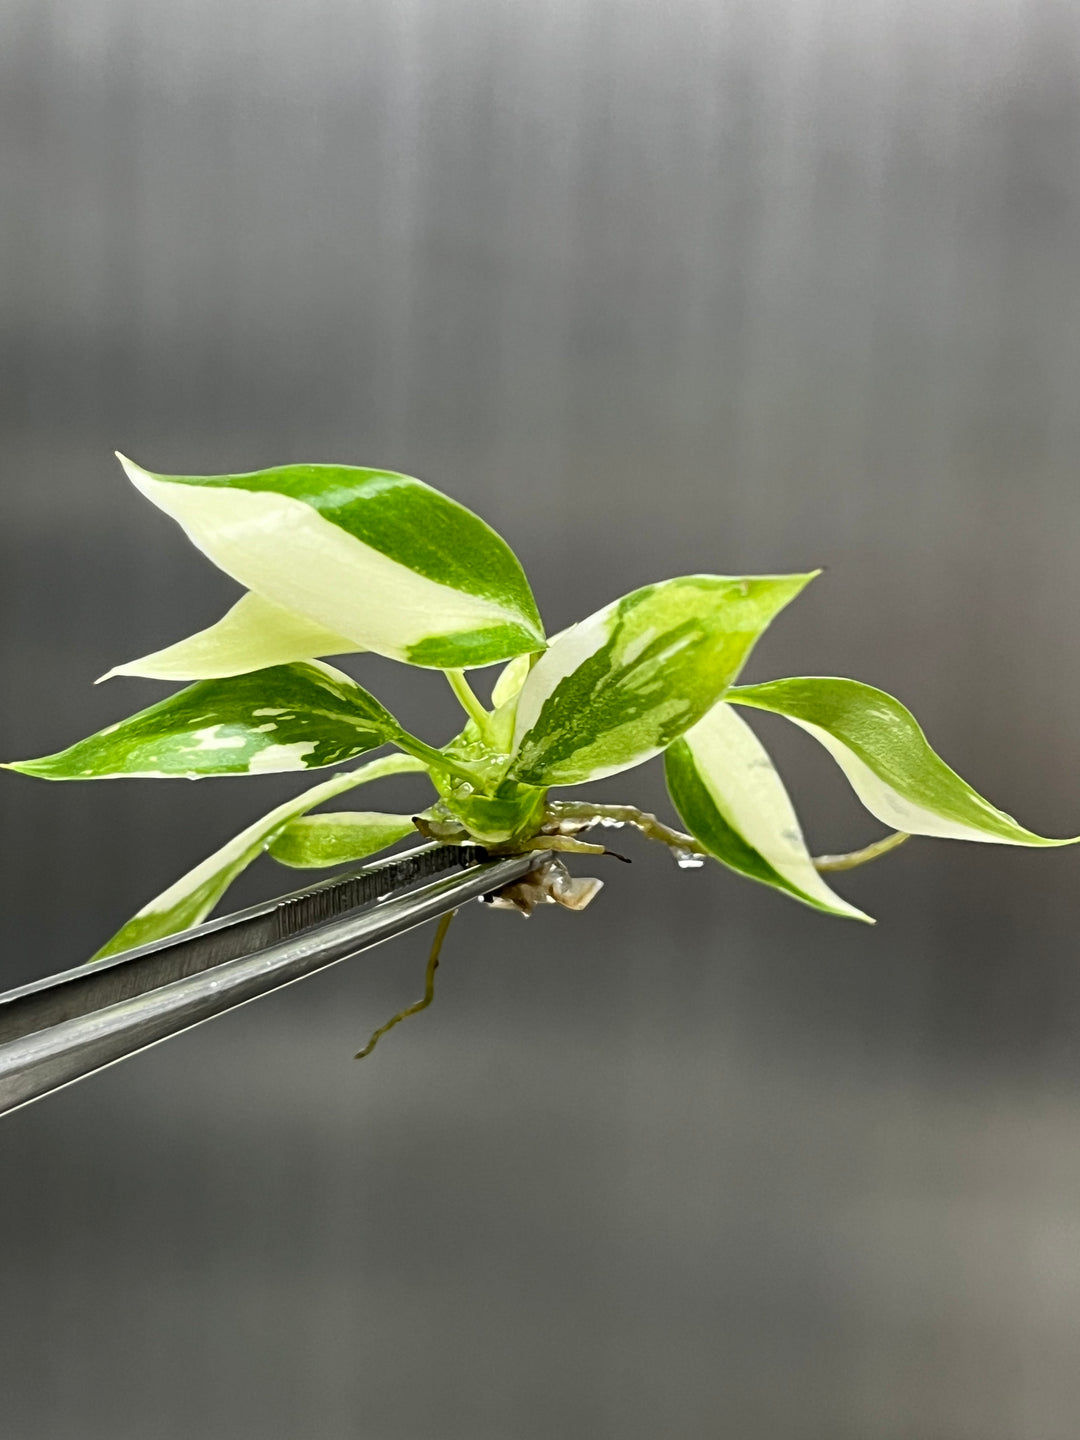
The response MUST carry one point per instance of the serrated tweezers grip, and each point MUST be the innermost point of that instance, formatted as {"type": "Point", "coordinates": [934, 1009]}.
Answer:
{"type": "Point", "coordinates": [58, 1050]}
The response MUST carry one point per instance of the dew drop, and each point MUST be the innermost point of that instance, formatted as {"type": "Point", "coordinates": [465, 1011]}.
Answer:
{"type": "Point", "coordinates": [687, 859]}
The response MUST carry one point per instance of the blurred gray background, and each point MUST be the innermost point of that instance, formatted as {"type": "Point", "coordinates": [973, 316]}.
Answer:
{"type": "Point", "coordinates": [656, 286]}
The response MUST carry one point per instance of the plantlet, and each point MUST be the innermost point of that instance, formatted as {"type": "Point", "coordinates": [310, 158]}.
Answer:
{"type": "Point", "coordinates": [340, 560]}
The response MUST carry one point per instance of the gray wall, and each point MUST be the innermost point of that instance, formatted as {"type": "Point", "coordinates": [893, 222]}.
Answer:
{"type": "Point", "coordinates": [733, 285]}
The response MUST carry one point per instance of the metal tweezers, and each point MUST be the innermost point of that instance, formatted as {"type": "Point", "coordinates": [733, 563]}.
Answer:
{"type": "Point", "coordinates": [59, 1029]}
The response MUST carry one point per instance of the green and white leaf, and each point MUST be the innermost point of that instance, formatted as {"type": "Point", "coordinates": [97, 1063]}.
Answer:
{"type": "Point", "coordinates": [291, 717]}
{"type": "Point", "coordinates": [881, 749]}
{"type": "Point", "coordinates": [377, 557]}
{"type": "Point", "coordinates": [623, 684]}
{"type": "Point", "coordinates": [190, 900]}
{"type": "Point", "coordinates": [315, 841]}
{"type": "Point", "coordinates": [254, 635]}
{"type": "Point", "coordinates": [733, 802]}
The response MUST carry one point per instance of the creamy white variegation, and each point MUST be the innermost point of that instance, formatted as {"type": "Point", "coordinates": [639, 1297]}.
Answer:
{"type": "Point", "coordinates": [743, 784]}
{"type": "Point", "coordinates": [253, 635]}
{"type": "Point", "coordinates": [284, 550]}
{"type": "Point", "coordinates": [511, 678]}
{"type": "Point", "coordinates": [277, 758]}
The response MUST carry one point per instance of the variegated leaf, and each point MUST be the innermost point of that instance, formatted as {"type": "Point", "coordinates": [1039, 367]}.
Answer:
{"type": "Point", "coordinates": [190, 900]}
{"type": "Point", "coordinates": [733, 802]}
{"type": "Point", "coordinates": [315, 841]}
{"type": "Point", "coordinates": [291, 717]}
{"type": "Point", "coordinates": [253, 635]}
{"type": "Point", "coordinates": [881, 749]}
{"type": "Point", "coordinates": [380, 558]}
{"type": "Point", "coordinates": [623, 684]}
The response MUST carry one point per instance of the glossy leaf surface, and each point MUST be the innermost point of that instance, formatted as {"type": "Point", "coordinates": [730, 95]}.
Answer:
{"type": "Point", "coordinates": [377, 557]}
{"type": "Point", "coordinates": [253, 635]}
{"type": "Point", "coordinates": [880, 747]}
{"type": "Point", "coordinates": [623, 684]}
{"type": "Point", "coordinates": [291, 717]}
{"type": "Point", "coordinates": [733, 802]}
{"type": "Point", "coordinates": [315, 841]}
{"type": "Point", "coordinates": [190, 900]}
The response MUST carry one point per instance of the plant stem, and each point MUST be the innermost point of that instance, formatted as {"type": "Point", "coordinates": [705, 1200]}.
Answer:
{"type": "Point", "coordinates": [468, 701]}
{"type": "Point", "coordinates": [435, 758]}
{"type": "Point", "coordinates": [861, 857]}
{"type": "Point", "coordinates": [569, 816]}
{"type": "Point", "coordinates": [573, 816]}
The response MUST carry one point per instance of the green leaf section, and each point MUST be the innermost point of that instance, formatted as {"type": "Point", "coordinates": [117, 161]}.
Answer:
{"type": "Point", "coordinates": [191, 899]}
{"type": "Point", "coordinates": [623, 684]}
{"type": "Point", "coordinates": [882, 750]}
{"type": "Point", "coordinates": [315, 841]}
{"type": "Point", "coordinates": [468, 650]}
{"type": "Point", "coordinates": [370, 555]}
{"type": "Point", "coordinates": [289, 717]}
{"type": "Point", "coordinates": [733, 802]}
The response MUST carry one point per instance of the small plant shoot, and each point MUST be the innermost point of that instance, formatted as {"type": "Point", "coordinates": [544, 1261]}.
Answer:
{"type": "Point", "coordinates": [337, 560]}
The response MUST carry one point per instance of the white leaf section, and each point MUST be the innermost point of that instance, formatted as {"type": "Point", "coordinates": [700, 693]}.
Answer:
{"type": "Point", "coordinates": [253, 635]}
{"type": "Point", "coordinates": [744, 786]}
{"type": "Point", "coordinates": [283, 550]}
{"type": "Point", "coordinates": [512, 678]}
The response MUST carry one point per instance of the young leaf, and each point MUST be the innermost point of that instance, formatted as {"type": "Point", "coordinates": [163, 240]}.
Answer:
{"type": "Point", "coordinates": [733, 802]}
{"type": "Point", "coordinates": [504, 701]}
{"type": "Point", "coordinates": [254, 635]}
{"type": "Point", "coordinates": [192, 897]}
{"type": "Point", "coordinates": [879, 746]}
{"type": "Point", "coordinates": [378, 557]}
{"type": "Point", "coordinates": [623, 684]}
{"type": "Point", "coordinates": [314, 841]}
{"type": "Point", "coordinates": [508, 686]}
{"type": "Point", "coordinates": [290, 717]}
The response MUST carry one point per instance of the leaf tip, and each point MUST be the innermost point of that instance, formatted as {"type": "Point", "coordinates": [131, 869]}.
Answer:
{"type": "Point", "coordinates": [26, 767]}
{"type": "Point", "coordinates": [805, 577]}
{"type": "Point", "coordinates": [844, 910]}
{"type": "Point", "coordinates": [135, 473]}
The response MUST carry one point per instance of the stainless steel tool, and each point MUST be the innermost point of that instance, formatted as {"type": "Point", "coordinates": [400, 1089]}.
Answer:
{"type": "Point", "coordinates": [59, 1029]}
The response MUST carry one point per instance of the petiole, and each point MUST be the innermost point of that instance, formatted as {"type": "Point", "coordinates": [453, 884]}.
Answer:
{"type": "Point", "coordinates": [468, 701]}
